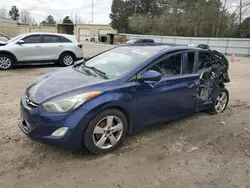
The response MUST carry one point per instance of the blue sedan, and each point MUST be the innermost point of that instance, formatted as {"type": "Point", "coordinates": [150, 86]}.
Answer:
{"type": "Point", "coordinates": [97, 103]}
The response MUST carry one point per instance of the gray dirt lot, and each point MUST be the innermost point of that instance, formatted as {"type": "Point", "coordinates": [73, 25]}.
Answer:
{"type": "Point", "coordinates": [199, 151]}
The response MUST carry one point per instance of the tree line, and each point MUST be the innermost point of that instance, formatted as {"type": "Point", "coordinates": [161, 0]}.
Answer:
{"type": "Point", "coordinates": [193, 18]}
{"type": "Point", "coordinates": [25, 17]}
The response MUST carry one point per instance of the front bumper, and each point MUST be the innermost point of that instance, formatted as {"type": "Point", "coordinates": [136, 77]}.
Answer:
{"type": "Point", "coordinates": [39, 125]}
{"type": "Point", "coordinates": [48, 140]}
{"type": "Point", "coordinates": [79, 58]}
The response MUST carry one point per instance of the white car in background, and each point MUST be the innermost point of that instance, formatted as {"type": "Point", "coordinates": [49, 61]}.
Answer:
{"type": "Point", "coordinates": [40, 48]}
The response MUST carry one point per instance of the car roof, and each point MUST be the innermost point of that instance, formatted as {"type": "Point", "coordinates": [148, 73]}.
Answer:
{"type": "Point", "coordinates": [47, 33]}
{"type": "Point", "coordinates": [155, 47]}
{"type": "Point", "coordinates": [145, 39]}
{"type": "Point", "coordinates": [162, 47]}
{"type": "Point", "coordinates": [141, 39]}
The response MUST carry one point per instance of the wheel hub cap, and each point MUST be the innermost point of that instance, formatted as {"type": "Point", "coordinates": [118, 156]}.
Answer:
{"type": "Point", "coordinates": [108, 132]}
{"type": "Point", "coordinates": [5, 62]}
{"type": "Point", "coordinates": [68, 60]}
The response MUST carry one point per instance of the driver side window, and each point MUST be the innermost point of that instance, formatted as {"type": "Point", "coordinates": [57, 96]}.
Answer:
{"type": "Point", "coordinates": [170, 66]}
{"type": "Point", "coordinates": [32, 39]}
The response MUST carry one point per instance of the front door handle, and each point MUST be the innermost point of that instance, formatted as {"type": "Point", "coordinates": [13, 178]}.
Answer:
{"type": "Point", "coordinates": [60, 46]}
{"type": "Point", "coordinates": [38, 46]}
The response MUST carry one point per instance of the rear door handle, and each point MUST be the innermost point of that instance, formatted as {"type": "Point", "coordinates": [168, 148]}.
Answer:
{"type": "Point", "coordinates": [60, 46]}
{"type": "Point", "coordinates": [193, 84]}
{"type": "Point", "coordinates": [38, 46]}
{"type": "Point", "coordinates": [190, 85]}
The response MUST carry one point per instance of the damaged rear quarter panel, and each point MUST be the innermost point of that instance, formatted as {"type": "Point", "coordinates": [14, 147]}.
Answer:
{"type": "Point", "coordinates": [213, 69]}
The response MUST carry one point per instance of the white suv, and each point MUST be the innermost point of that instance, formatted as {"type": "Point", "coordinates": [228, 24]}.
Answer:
{"type": "Point", "coordinates": [39, 48]}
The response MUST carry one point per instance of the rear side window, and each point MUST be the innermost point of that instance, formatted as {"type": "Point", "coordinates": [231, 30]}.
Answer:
{"type": "Point", "coordinates": [150, 41]}
{"type": "Point", "coordinates": [138, 41]}
{"type": "Point", "coordinates": [63, 39]}
{"type": "Point", "coordinates": [32, 39]}
{"type": "Point", "coordinates": [51, 39]}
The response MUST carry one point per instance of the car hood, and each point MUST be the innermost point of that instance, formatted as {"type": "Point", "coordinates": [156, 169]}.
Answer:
{"type": "Point", "coordinates": [59, 83]}
{"type": "Point", "coordinates": [3, 43]}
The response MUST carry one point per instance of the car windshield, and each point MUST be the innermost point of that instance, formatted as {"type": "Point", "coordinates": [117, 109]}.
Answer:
{"type": "Point", "coordinates": [119, 61]}
{"type": "Point", "coordinates": [131, 41]}
{"type": "Point", "coordinates": [192, 45]}
{"type": "Point", "coordinates": [16, 38]}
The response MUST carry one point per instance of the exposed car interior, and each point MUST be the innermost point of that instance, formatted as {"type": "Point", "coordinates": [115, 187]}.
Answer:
{"type": "Point", "coordinates": [206, 77]}
{"type": "Point", "coordinates": [212, 68]}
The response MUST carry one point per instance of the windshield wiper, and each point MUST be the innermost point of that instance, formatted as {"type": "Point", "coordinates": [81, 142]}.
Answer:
{"type": "Point", "coordinates": [99, 72]}
{"type": "Point", "coordinates": [86, 70]}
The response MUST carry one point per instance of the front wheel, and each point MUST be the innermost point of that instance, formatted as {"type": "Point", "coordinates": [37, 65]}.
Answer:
{"type": "Point", "coordinates": [106, 131]}
{"type": "Point", "coordinates": [66, 59]}
{"type": "Point", "coordinates": [6, 62]}
{"type": "Point", "coordinates": [220, 98]}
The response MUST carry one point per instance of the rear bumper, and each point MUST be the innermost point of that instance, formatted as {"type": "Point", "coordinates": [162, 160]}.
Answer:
{"type": "Point", "coordinates": [79, 58]}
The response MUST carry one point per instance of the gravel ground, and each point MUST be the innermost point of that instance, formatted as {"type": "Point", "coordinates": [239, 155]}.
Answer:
{"type": "Point", "coordinates": [200, 151]}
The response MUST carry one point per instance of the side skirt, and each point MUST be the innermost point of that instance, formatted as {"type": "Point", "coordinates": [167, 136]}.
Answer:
{"type": "Point", "coordinates": [204, 106]}
{"type": "Point", "coordinates": [35, 62]}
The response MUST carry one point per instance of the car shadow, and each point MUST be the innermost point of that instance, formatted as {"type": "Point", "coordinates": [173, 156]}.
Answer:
{"type": "Point", "coordinates": [56, 152]}
{"type": "Point", "coordinates": [172, 126]}
{"type": "Point", "coordinates": [36, 66]}
{"type": "Point", "coordinates": [84, 154]}
{"type": "Point", "coordinates": [39, 65]}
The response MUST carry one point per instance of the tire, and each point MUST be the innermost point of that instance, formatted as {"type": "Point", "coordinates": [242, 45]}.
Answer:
{"type": "Point", "coordinates": [96, 137]}
{"type": "Point", "coordinates": [6, 62]}
{"type": "Point", "coordinates": [66, 59]}
{"type": "Point", "coordinates": [220, 103]}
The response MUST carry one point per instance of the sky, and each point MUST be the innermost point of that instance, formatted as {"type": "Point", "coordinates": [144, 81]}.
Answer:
{"type": "Point", "coordinates": [40, 9]}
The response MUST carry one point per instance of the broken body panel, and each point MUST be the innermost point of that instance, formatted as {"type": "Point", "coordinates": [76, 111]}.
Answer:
{"type": "Point", "coordinates": [213, 71]}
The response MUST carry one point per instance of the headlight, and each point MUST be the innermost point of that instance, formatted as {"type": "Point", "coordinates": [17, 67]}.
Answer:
{"type": "Point", "coordinates": [70, 103]}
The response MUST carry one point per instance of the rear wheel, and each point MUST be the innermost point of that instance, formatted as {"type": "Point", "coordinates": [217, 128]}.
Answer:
{"type": "Point", "coordinates": [220, 99]}
{"type": "Point", "coordinates": [66, 59]}
{"type": "Point", "coordinates": [106, 131]}
{"type": "Point", "coordinates": [6, 62]}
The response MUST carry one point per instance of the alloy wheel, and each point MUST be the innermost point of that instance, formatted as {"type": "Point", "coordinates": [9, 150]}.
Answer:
{"type": "Point", "coordinates": [5, 62]}
{"type": "Point", "coordinates": [108, 132]}
{"type": "Point", "coordinates": [68, 60]}
{"type": "Point", "coordinates": [221, 102]}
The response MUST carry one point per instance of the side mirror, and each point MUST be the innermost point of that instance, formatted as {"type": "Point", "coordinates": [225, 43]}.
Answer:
{"type": "Point", "coordinates": [20, 42]}
{"type": "Point", "coordinates": [86, 58]}
{"type": "Point", "coordinates": [151, 77]}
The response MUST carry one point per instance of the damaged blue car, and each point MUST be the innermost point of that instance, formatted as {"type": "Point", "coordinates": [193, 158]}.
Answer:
{"type": "Point", "coordinates": [97, 103]}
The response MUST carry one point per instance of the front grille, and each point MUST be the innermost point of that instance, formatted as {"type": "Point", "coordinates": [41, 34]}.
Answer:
{"type": "Point", "coordinates": [29, 103]}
